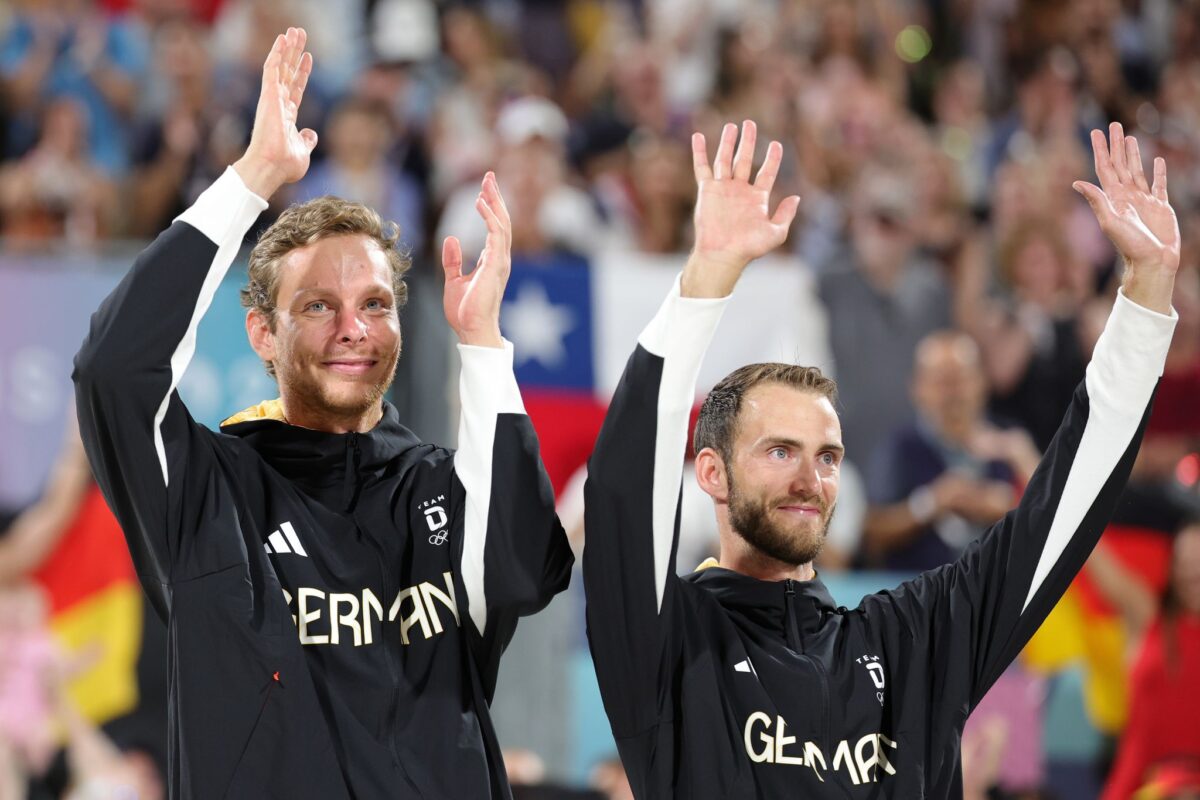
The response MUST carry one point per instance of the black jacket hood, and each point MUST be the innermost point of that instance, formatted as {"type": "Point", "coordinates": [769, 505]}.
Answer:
{"type": "Point", "coordinates": [326, 465]}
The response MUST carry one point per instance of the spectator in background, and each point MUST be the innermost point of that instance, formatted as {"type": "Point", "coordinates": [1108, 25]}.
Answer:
{"type": "Point", "coordinates": [480, 79]}
{"type": "Point", "coordinates": [1174, 428]}
{"type": "Point", "coordinates": [1032, 343]}
{"type": "Point", "coordinates": [27, 658]}
{"type": "Point", "coordinates": [648, 203]}
{"type": "Point", "coordinates": [57, 48]}
{"type": "Point", "coordinates": [55, 192]}
{"type": "Point", "coordinates": [358, 140]}
{"type": "Point", "coordinates": [186, 144]}
{"type": "Point", "coordinates": [882, 299]}
{"type": "Point", "coordinates": [1164, 705]}
{"type": "Point", "coordinates": [939, 481]}
{"type": "Point", "coordinates": [549, 214]}
{"type": "Point", "coordinates": [961, 127]}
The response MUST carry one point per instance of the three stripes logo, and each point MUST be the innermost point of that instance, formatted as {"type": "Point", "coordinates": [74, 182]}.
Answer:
{"type": "Point", "coordinates": [284, 540]}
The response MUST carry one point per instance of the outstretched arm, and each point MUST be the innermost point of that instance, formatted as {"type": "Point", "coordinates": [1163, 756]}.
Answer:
{"type": "Point", "coordinates": [981, 610]}
{"type": "Point", "coordinates": [515, 555]}
{"type": "Point", "coordinates": [635, 473]}
{"type": "Point", "coordinates": [139, 438]}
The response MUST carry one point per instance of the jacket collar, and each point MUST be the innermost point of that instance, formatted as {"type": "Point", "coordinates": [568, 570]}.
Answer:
{"type": "Point", "coordinates": [767, 603]}
{"type": "Point", "coordinates": [329, 466]}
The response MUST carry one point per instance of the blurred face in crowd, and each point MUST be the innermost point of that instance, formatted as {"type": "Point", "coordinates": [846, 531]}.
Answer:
{"type": "Point", "coordinates": [881, 228]}
{"type": "Point", "coordinates": [1038, 271]}
{"type": "Point", "coordinates": [64, 128]}
{"type": "Point", "coordinates": [182, 53]}
{"type": "Point", "coordinates": [782, 481]}
{"type": "Point", "coordinates": [948, 386]}
{"type": "Point", "coordinates": [359, 137]}
{"type": "Point", "coordinates": [336, 336]}
{"type": "Point", "coordinates": [529, 170]}
{"type": "Point", "coordinates": [1185, 568]}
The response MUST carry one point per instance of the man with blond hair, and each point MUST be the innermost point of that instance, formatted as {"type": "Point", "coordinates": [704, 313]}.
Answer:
{"type": "Point", "coordinates": [338, 593]}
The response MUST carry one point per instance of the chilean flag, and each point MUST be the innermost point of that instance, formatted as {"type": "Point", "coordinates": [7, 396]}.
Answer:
{"type": "Point", "coordinates": [574, 323]}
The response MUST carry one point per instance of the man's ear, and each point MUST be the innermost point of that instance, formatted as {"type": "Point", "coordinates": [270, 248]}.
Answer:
{"type": "Point", "coordinates": [258, 331]}
{"type": "Point", "coordinates": [711, 474]}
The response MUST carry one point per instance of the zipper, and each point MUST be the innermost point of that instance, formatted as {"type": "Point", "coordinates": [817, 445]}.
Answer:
{"type": "Point", "coordinates": [793, 636]}
{"type": "Point", "coordinates": [791, 631]}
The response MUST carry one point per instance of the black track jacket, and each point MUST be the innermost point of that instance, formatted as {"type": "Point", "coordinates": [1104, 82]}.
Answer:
{"type": "Point", "coordinates": [337, 604]}
{"type": "Point", "coordinates": [718, 685]}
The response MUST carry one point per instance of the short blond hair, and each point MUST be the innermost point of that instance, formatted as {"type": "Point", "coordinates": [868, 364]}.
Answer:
{"type": "Point", "coordinates": [310, 222]}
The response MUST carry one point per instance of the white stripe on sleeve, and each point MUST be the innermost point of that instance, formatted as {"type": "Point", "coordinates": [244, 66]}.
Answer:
{"type": "Point", "coordinates": [1121, 377]}
{"type": "Point", "coordinates": [680, 334]}
{"type": "Point", "coordinates": [223, 213]}
{"type": "Point", "coordinates": [487, 388]}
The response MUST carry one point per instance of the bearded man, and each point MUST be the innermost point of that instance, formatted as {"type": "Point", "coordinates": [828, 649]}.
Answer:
{"type": "Point", "coordinates": [744, 679]}
{"type": "Point", "coordinates": [338, 593]}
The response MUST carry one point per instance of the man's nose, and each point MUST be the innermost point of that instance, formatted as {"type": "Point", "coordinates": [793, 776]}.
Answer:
{"type": "Point", "coordinates": [806, 481]}
{"type": "Point", "coordinates": [351, 327]}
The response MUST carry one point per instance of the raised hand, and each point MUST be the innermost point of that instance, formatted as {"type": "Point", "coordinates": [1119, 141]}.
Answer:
{"type": "Point", "coordinates": [472, 302]}
{"type": "Point", "coordinates": [733, 222]}
{"type": "Point", "coordinates": [278, 152]}
{"type": "Point", "coordinates": [1136, 216]}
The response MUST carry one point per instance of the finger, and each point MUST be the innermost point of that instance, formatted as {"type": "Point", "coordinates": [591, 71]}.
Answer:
{"type": "Point", "coordinates": [491, 192]}
{"type": "Point", "coordinates": [1133, 158]}
{"type": "Point", "coordinates": [452, 258]}
{"type": "Point", "coordinates": [1097, 199]}
{"type": "Point", "coordinates": [1104, 168]}
{"type": "Point", "coordinates": [1116, 142]}
{"type": "Point", "coordinates": [274, 58]}
{"type": "Point", "coordinates": [770, 167]}
{"type": "Point", "coordinates": [286, 65]}
{"type": "Point", "coordinates": [700, 158]}
{"type": "Point", "coordinates": [785, 215]}
{"type": "Point", "coordinates": [1159, 190]}
{"type": "Point", "coordinates": [723, 165]}
{"type": "Point", "coordinates": [300, 80]}
{"type": "Point", "coordinates": [744, 160]}
{"type": "Point", "coordinates": [494, 227]}
{"type": "Point", "coordinates": [309, 137]}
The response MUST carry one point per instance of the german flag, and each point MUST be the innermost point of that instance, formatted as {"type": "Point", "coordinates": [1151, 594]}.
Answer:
{"type": "Point", "coordinates": [1085, 628]}
{"type": "Point", "coordinates": [96, 609]}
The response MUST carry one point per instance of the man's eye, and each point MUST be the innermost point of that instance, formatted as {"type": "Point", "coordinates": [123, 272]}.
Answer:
{"type": "Point", "coordinates": [828, 459]}
{"type": "Point", "coordinates": [318, 307]}
{"type": "Point", "coordinates": [778, 453]}
{"type": "Point", "coordinates": [374, 305]}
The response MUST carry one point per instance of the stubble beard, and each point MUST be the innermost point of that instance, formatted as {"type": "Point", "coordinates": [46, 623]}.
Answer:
{"type": "Point", "coordinates": [751, 519]}
{"type": "Point", "coordinates": [315, 395]}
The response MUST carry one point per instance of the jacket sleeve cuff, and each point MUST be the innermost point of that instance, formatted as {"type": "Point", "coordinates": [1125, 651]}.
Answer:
{"type": "Point", "coordinates": [1130, 354]}
{"type": "Point", "coordinates": [683, 326]}
{"type": "Point", "coordinates": [224, 210]}
{"type": "Point", "coordinates": [487, 383]}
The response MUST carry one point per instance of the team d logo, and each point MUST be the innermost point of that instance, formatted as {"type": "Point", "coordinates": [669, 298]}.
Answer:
{"type": "Point", "coordinates": [436, 519]}
{"type": "Point", "coordinates": [875, 670]}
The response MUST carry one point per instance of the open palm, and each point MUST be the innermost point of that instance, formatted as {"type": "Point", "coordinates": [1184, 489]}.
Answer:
{"type": "Point", "coordinates": [733, 220]}
{"type": "Point", "coordinates": [472, 301]}
{"type": "Point", "coordinates": [275, 139]}
{"type": "Point", "coordinates": [1135, 215]}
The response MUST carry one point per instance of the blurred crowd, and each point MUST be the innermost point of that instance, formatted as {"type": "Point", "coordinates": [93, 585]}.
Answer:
{"type": "Point", "coordinates": [933, 143]}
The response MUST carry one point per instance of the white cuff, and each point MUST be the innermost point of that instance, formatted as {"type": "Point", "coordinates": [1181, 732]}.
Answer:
{"type": "Point", "coordinates": [487, 383]}
{"type": "Point", "coordinates": [224, 210]}
{"type": "Point", "coordinates": [683, 326]}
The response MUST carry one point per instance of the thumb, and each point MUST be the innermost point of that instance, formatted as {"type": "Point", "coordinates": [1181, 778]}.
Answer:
{"type": "Point", "coordinates": [1097, 199]}
{"type": "Point", "coordinates": [309, 137]}
{"type": "Point", "coordinates": [785, 214]}
{"type": "Point", "coordinates": [452, 259]}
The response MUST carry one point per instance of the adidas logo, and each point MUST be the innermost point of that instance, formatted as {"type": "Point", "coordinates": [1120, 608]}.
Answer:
{"type": "Point", "coordinates": [284, 540]}
{"type": "Point", "coordinates": [745, 666]}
